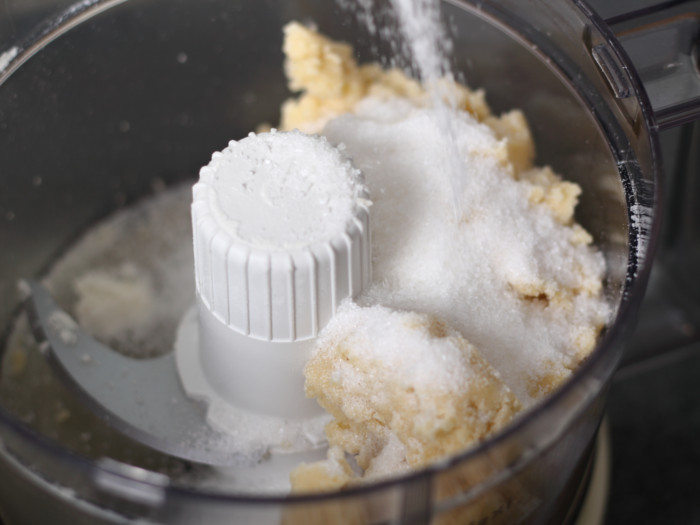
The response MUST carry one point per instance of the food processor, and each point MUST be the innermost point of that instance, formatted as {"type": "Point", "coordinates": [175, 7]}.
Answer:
{"type": "Point", "coordinates": [109, 109]}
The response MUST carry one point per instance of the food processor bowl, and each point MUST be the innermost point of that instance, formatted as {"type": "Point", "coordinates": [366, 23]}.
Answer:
{"type": "Point", "coordinates": [114, 100]}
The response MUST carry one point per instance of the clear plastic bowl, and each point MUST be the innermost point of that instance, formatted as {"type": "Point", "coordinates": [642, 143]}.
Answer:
{"type": "Point", "coordinates": [188, 75]}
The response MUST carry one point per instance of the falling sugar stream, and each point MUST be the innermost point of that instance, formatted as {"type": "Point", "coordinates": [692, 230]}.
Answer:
{"type": "Point", "coordinates": [429, 46]}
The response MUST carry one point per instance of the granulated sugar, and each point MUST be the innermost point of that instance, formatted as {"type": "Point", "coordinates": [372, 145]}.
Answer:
{"type": "Point", "coordinates": [425, 36]}
{"type": "Point", "coordinates": [473, 273]}
{"type": "Point", "coordinates": [404, 344]}
{"type": "Point", "coordinates": [467, 234]}
{"type": "Point", "coordinates": [429, 45]}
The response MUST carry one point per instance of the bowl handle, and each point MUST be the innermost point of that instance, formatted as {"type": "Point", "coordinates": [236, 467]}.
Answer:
{"type": "Point", "coordinates": [665, 56]}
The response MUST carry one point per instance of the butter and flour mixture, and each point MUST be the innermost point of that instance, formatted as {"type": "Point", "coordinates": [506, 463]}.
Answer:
{"type": "Point", "coordinates": [470, 317]}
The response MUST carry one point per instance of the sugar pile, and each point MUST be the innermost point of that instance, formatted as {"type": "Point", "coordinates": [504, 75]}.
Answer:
{"type": "Point", "coordinates": [475, 273]}
{"type": "Point", "coordinates": [468, 318]}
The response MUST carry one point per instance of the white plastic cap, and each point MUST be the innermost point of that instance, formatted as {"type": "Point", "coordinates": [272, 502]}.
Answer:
{"type": "Point", "coordinates": [281, 238]}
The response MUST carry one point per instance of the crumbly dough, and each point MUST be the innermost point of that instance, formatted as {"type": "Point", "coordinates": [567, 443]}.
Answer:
{"type": "Point", "coordinates": [324, 476]}
{"type": "Point", "coordinates": [404, 390]}
{"type": "Point", "coordinates": [332, 83]}
{"type": "Point", "coordinates": [114, 303]}
{"type": "Point", "coordinates": [386, 419]}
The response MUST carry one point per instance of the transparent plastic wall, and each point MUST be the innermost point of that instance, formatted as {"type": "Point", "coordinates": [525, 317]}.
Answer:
{"type": "Point", "coordinates": [63, 102]}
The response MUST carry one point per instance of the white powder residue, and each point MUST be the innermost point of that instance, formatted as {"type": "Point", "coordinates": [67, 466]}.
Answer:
{"type": "Point", "coordinates": [7, 57]}
{"type": "Point", "coordinates": [249, 435]}
{"type": "Point", "coordinates": [471, 272]}
{"type": "Point", "coordinates": [282, 190]}
{"type": "Point", "coordinates": [642, 220]}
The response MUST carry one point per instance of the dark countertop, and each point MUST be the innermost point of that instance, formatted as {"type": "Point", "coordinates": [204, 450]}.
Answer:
{"type": "Point", "coordinates": [654, 418]}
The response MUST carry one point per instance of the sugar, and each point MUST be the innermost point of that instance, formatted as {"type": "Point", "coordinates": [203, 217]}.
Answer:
{"type": "Point", "coordinates": [467, 271]}
{"type": "Point", "coordinates": [425, 36]}
{"type": "Point", "coordinates": [7, 57]}
{"type": "Point", "coordinates": [403, 343]}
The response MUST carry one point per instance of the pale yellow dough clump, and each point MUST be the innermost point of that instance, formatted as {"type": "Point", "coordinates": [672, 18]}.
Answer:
{"type": "Point", "coordinates": [334, 473]}
{"type": "Point", "coordinates": [332, 82]}
{"type": "Point", "coordinates": [382, 419]}
{"type": "Point", "coordinates": [404, 390]}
